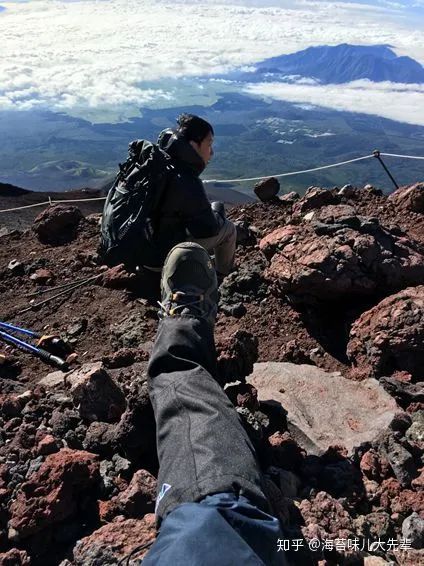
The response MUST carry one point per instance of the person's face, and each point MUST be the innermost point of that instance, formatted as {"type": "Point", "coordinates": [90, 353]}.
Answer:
{"type": "Point", "coordinates": [204, 148]}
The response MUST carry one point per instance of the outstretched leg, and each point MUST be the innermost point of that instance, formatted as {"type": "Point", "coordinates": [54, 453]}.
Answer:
{"type": "Point", "coordinates": [210, 504]}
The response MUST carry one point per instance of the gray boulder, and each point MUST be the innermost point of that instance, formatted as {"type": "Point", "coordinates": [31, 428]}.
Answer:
{"type": "Point", "coordinates": [325, 409]}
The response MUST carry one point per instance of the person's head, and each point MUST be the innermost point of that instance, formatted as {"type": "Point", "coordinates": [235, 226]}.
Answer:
{"type": "Point", "coordinates": [198, 133]}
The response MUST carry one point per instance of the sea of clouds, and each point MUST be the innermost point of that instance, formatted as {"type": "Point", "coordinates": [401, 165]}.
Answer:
{"type": "Point", "coordinates": [68, 55]}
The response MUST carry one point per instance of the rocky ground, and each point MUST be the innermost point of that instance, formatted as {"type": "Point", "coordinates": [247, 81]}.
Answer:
{"type": "Point", "coordinates": [328, 297]}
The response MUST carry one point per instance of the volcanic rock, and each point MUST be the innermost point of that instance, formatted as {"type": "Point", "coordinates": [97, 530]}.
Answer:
{"type": "Point", "coordinates": [290, 198]}
{"type": "Point", "coordinates": [47, 445]}
{"type": "Point", "coordinates": [57, 224]}
{"type": "Point", "coordinates": [314, 198]}
{"type": "Point", "coordinates": [353, 256]}
{"type": "Point", "coordinates": [267, 189]}
{"type": "Point", "coordinates": [347, 191]}
{"type": "Point", "coordinates": [114, 541]}
{"type": "Point", "coordinates": [117, 277]}
{"type": "Point", "coordinates": [415, 432]}
{"type": "Point", "coordinates": [15, 557]}
{"type": "Point", "coordinates": [374, 526]}
{"type": "Point", "coordinates": [413, 530]}
{"type": "Point", "coordinates": [405, 394]}
{"type": "Point", "coordinates": [418, 482]}
{"type": "Point", "coordinates": [390, 336]}
{"type": "Point", "coordinates": [51, 494]}
{"type": "Point", "coordinates": [236, 355]}
{"type": "Point", "coordinates": [399, 458]}
{"type": "Point", "coordinates": [97, 396]}
{"type": "Point", "coordinates": [409, 199]}
{"type": "Point", "coordinates": [135, 433]}
{"type": "Point", "coordinates": [243, 395]}
{"type": "Point", "coordinates": [328, 513]}
{"type": "Point", "coordinates": [333, 213]}
{"type": "Point", "coordinates": [137, 500]}
{"type": "Point", "coordinates": [130, 332]}
{"type": "Point", "coordinates": [325, 409]}
{"type": "Point", "coordinates": [41, 276]}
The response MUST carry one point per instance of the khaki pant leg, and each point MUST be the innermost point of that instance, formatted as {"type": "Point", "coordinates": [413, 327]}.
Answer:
{"type": "Point", "coordinates": [223, 245]}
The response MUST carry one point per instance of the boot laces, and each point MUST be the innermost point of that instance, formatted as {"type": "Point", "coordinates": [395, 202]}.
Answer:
{"type": "Point", "coordinates": [182, 303]}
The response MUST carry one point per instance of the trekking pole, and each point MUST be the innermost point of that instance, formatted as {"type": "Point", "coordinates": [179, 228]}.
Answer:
{"type": "Point", "coordinates": [377, 155]}
{"type": "Point", "coordinates": [35, 305]}
{"type": "Point", "coordinates": [47, 341]}
{"type": "Point", "coordinates": [19, 329]}
{"type": "Point", "coordinates": [56, 287]}
{"type": "Point", "coordinates": [39, 352]}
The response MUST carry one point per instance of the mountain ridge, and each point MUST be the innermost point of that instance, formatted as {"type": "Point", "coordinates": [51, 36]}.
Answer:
{"type": "Point", "coordinates": [339, 64]}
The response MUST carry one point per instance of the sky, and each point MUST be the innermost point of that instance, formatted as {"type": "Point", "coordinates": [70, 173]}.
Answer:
{"type": "Point", "coordinates": [78, 55]}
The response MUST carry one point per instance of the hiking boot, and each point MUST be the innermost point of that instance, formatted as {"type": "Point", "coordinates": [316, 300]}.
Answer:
{"type": "Point", "coordinates": [188, 285]}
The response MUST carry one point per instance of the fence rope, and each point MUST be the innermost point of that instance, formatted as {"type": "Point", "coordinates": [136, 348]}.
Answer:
{"type": "Point", "coordinates": [404, 156]}
{"type": "Point", "coordinates": [289, 174]}
{"type": "Point", "coordinates": [242, 180]}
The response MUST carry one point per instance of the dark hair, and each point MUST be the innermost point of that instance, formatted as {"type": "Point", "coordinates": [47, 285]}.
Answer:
{"type": "Point", "coordinates": [193, 128]}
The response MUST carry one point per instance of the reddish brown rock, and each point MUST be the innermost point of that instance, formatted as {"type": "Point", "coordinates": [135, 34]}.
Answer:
{"type": "Point", "coordinates": [57, 224]}
{"type": "Point", "coordinates": [41, 276]}
{"type": "Point", "coordinates": [52, 493]}
{"type": "Point", "coordinates": [244, 395]}
{"type": "Point", "coordinates": [353, 256]}
{"type": "Point", "coordinates": [409, 198]}
{"type": "Point", "coordinates": [333, 213]}
{"type": "Point", "coordinates": [236, 355]}
{"type": "Point", "coordinates": [370, 465]}
{"type": "Point", "coordinates": [328, 513]}
{"type": "Point", "coordinates": [409, 501]}
{"type": "Point", "coordinates": [267, 189]}
{"type": "Point", "coordinates": [15, 557]}
{"type": "Point", "coordinates": [115, 541]}
{"type": "Point", "coordinates": [389, 489]}
{"type": "Point", "coordinates": [390, 336]}
{"type": "Point", "coordinates": [290, 198]}
{"type": "Point", "coordinates": [314, 197]}
{"type": "Point", "coordinates": [277, 240]}
{"type": "Point", "coordinates": [117, 277]}
{"type": "Point", "coordinates": [98, 397]}
{"type": "Point", "coordinates": [125, 357]}
{"type": "Point", "coordinates": [135, 501]}
{"type": "Point", "coordinates": [10, 406]}
{"type": "Point", "coordinates": [47, 445]}
{"type": "Point", "coordinates": [410, 557]}
{"type": "Point", "coordinates": [418, 482]}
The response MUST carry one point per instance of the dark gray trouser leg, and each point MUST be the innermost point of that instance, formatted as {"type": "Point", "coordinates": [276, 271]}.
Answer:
{"type": "Point", "coordinates": [202, 445]}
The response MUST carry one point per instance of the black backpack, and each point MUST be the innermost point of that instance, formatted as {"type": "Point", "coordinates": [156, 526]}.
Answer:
{"type": "Point", "coordinates": [131, 212]}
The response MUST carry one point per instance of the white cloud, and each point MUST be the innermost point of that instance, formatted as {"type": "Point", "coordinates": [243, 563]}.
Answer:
{"type": "Point", "coordinates": [404, 103]}
{"type": "Point", "coordinates": [90, 54]}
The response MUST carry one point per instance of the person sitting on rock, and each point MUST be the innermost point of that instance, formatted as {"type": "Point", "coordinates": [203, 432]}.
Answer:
{"type": "Point", "coordinates": [186, 213]}
{"type": "Point", "coordinates": [210, 508]}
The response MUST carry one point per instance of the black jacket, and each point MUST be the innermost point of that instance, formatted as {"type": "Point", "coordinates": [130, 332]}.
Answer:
{"type": "Point", "coordinates": [185, 208]}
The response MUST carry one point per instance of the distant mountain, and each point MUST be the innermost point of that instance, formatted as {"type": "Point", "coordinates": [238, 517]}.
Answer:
{"type": "Point", "coordinates": [339, 64]}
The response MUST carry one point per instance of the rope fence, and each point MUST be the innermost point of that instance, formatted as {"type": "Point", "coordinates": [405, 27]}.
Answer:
{"type": "Point", "coordinates": [289, 174]}
{"type": "Point", "coordinates": [376, 154]}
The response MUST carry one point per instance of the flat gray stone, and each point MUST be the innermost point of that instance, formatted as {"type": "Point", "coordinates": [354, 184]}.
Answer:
{"type": "Point", "coordinates": [60, 379]}
{"type": "Point", "coordinates": [325, 408]}
{"type": "Point", "coordinates": [53, 379]}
